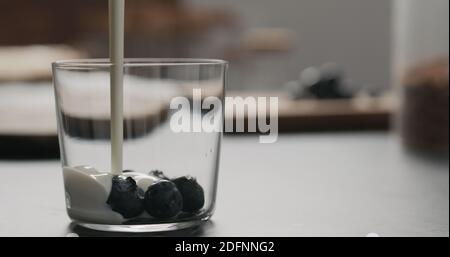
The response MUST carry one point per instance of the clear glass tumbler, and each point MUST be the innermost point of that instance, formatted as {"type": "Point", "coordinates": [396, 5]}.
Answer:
{"type": "Point", "coordinates": [172, 122]}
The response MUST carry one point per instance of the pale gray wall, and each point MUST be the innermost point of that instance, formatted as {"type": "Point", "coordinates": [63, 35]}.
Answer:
{"type": "Point", "coordinates": [353, 33]}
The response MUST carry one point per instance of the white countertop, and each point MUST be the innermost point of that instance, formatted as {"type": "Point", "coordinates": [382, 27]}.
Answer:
{"type": "Point", "coordinates": [323, 184]}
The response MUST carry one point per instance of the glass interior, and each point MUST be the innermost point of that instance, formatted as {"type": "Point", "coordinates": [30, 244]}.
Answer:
{"type": "Point", "coordinates": [150, 143]}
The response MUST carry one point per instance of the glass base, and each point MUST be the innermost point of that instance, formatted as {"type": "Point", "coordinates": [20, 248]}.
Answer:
{"type": "Point", "coordinates": [144, 228]}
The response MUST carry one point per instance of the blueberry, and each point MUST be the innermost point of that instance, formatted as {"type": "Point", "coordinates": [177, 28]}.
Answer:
{"type": "Point", "coordinates": [163, 200]}
{"type": "Point", "coordinates": [125, 197]}
{"type": "Point", "coordinates": [192, 192]}
{"type": "Point", "coordinates": [158, 174]}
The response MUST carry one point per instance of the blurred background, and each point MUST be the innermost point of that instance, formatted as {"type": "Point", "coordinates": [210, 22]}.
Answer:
{"type": "Point", "coordinates": [363, 109]}
{"type": "Point", "coordinates": [336, 65]}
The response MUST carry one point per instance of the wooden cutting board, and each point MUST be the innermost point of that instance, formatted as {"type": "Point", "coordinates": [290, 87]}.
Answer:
{"type": "Point", "coordinates": [360, 113]}
{"type": "Point", "coordinates": [28, 119]}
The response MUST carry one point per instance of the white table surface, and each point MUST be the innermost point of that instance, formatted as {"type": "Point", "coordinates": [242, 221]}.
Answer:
{"type": "Point", "coordinates": [324, 184]}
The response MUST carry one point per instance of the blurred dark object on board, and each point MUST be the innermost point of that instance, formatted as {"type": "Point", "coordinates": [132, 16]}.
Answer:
{"type": "Point", "coordinates": [326, 82]}
{"type": "Point", "coordinates": [425, 114]}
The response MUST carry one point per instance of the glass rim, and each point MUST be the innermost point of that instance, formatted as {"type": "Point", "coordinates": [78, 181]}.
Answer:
{"type": "Point", "coordinates": [135, 62]}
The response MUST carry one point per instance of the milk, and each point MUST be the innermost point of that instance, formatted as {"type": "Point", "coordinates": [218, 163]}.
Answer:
{"type": "Point", "coordinates": [116, 42]}
{"type": "Point", "coordinates": [87, 191]}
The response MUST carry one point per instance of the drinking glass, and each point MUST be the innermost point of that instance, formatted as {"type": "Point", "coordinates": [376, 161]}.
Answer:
{"type": "Point", "coordinates": [172, 129]}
